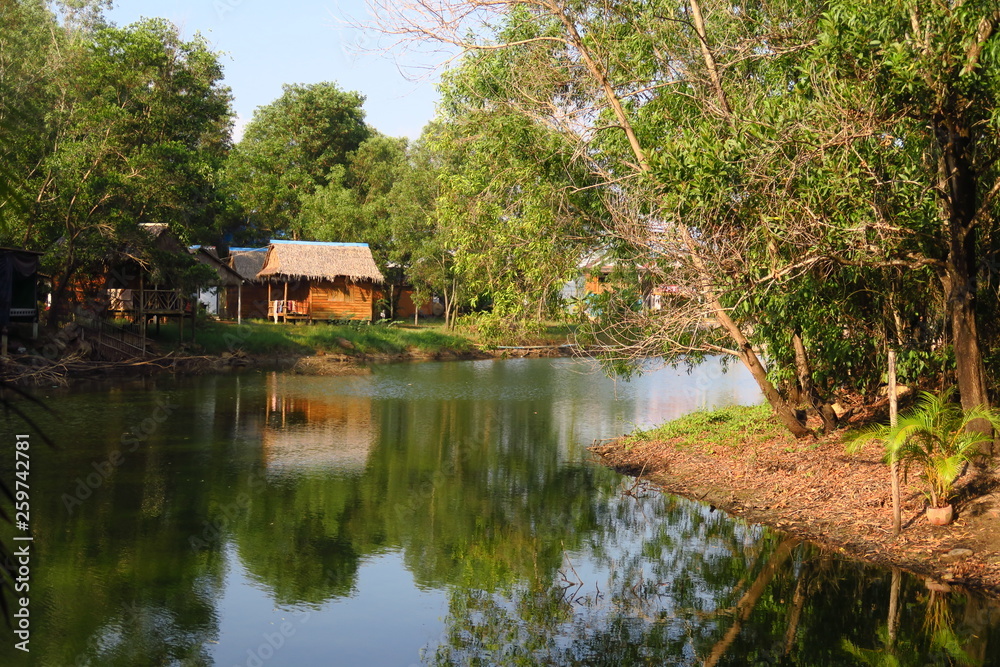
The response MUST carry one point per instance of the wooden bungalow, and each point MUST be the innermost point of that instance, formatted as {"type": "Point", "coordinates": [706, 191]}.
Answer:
{"type": "Point", "coordinates": [19, 288]}
{"type": "Point", "coordinates": [213, 297]}
{"type": "Point", "coordinates": [135, 292]}
{"type": "Point", "coordinates": [249, 299]}
{"type": "Point", "coordinates": [314, 281]}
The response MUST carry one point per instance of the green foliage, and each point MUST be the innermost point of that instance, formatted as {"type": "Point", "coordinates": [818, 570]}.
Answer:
{"type": "Point", "coordinates": [799, 192]}
{"type": "Point", "coordinates": [281, 339]}
{"type": "Point", "coordinates": [733, 426]}
{"type": "Point", "coordinates": [113, 127]}
{"type": "Point", "coordinates": [935, 437]}
{"type": "Point", "coordinates": [292, 148]}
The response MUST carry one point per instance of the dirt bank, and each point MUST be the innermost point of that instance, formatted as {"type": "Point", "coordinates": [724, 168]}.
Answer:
{"type": "Point", "coordinates": [814, 490]}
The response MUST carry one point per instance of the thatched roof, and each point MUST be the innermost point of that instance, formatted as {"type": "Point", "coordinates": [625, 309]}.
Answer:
{"type": "Point", "coordinates": [294, 260]}
{"type": "Point", "coordinates": [247, 263]}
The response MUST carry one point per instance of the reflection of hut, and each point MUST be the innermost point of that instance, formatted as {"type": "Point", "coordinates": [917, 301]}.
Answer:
{"type": "Point", "coordinates": [311, 431]}
{"type": "Point", "coordinates": [321, 281]}
{"type": "Point", "coordinates": [19, 287]}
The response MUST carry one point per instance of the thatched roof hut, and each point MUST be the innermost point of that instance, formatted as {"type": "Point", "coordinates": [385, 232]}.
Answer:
{"type": "Point", "coordinates": [310, 260]}
{"type": "Point", "coordinates": [228, 276]}
{"type": "Point", "coordinates": [247, 262]}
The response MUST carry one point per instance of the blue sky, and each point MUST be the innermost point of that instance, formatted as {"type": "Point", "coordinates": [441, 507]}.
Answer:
{"type": "Point", "coordinates": [267, 44]}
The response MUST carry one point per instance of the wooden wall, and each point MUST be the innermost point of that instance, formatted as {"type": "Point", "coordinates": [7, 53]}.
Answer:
{"type": "Point", "coordinates": [406, 307]}
{"type": "Point", "coordinates": [254, 301]}
{"type": "Point", "coordinates": [342, 300]}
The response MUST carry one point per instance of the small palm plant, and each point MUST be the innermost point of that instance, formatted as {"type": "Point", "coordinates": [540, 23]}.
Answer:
{"type": "Point", "coordinates": [934, 437]}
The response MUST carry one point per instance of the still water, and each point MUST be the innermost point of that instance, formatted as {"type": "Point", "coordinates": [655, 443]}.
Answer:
{"type": "Point", "coordinates": [429, 514]}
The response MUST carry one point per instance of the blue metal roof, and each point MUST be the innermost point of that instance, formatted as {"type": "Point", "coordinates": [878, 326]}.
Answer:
{"type": "Point", "coordinates": [323, 243]}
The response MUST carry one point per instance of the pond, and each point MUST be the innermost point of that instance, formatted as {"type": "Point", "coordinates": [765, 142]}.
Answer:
{"type": "Point", "coordinates": [429, 514]}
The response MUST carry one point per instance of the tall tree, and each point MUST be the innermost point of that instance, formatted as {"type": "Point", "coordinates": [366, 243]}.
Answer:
{"type": "Point", "coordinates": [293, 147]}
{"type": "Point", "coordinates": [930, 75]}
{"type": "Point", "coordinates": [132, 124]}
{"type": "Point", "coordinates": [770, 157]}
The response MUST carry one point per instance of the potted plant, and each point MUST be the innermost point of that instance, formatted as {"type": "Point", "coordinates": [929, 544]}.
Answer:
{"type": "Point", "coordinates": [934, 438]}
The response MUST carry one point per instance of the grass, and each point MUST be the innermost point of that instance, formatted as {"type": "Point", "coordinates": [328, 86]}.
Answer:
{"type": "Point", "coordinates": [286, 339]}
{"type": "Point", "coordinates": [732, 426]}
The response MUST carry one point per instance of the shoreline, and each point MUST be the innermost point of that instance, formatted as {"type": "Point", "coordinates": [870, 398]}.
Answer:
{"type": "Point", "coordinates": [28, 371]}
{"type": "Point", "coordinates": [815, 491]}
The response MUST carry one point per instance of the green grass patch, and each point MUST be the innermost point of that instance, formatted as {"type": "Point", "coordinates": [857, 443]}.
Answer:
{"type": "Point", "coordinates": [731, 426]}
{"type": "Point", "coordinates": [289, 339]}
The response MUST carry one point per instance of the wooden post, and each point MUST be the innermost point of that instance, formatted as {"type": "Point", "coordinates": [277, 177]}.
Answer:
{"type": "Point", "coordinates": [142, 311]}
{"type": "Point", "coordinates": [273, 306]}
{"type": "Point", "coordinates": [239, 303]}
{"type": "Point", "coordinates": [3, 343]}
{"type": "Point", "coordinates": [893, 459]}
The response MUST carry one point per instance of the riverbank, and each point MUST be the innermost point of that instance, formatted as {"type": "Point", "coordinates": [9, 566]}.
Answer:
{"type": "Point", "coordinates": [741, 461]}
{"type": "Point", "coordinates": [225, 347]}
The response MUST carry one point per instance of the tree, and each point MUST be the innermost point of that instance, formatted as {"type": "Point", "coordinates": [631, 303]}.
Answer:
{"type": "Point", "coordinates": [933, 78]}
{"type": "Point", "coordinates": [771, 158]}
{"type": "Point", "coordinates": [294, 147]}
{"type": "Point", "coordinates": [130, 126]}
{"type": "Point", "coordinates": [562, 67]}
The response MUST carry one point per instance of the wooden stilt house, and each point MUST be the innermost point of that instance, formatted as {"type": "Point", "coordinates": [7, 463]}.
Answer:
{"type": "Point", "coordinates": [314, 281]}
{"type": "Point", "coordinates": [19, 288]}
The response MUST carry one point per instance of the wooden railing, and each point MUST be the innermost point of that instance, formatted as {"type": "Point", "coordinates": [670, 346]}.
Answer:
{"type": "Point", "coordinates": [287, 310]}
{"type": "Point", "coordinates": [113, 342]}
{"type": "Point", "coordinates": [162, 301]}
{"type": "Point", "coordinates": [159, 300]}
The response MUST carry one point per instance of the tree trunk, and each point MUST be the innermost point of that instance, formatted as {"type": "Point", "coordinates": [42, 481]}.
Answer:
{"type": "Point", "coordinates": [958, 182]}
{"type": "Point", "coordinates": [804, 373]}
{"type": "Point", "coordinates": [60, 309]}
{"type": "Point", "coordinates": [752, 362]}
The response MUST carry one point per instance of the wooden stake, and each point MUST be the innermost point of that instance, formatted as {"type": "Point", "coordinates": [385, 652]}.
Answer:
{"type": "Point", "coordinates": [142, 311]}
{"type": "Point", "coordinates": [893, 461]}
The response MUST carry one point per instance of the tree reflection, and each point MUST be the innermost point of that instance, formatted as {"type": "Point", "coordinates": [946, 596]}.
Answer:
{"type": "Point", "coordinates": [731, 595]}
{"type": "Point", "coordinates": [545, 561]}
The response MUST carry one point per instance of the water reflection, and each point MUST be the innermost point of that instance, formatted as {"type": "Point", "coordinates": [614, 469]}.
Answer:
{"type": "Point", "coordinates": [310, 430]}
{"type": "Point", "coordinates": [450, 507]}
